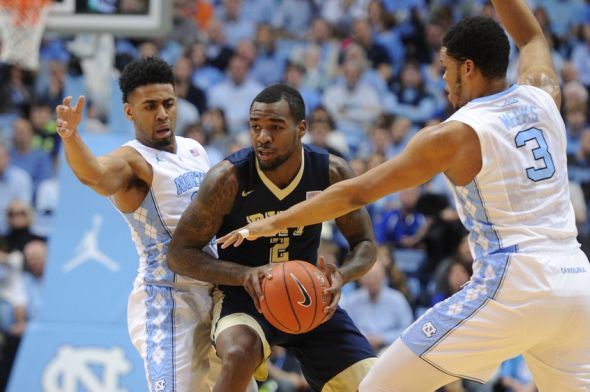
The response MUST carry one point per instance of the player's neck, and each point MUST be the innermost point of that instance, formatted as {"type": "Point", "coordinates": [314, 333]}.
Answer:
{"type": "Point", "coordinates": [491, 87]}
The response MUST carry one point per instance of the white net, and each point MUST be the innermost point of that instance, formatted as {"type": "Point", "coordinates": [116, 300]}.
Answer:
{"type": "Point", "coordinates": [21, 28]}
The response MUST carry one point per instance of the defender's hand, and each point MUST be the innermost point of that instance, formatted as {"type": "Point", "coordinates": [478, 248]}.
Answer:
{"type": "Point", "coordinates": [336, 279]}
{"type": "Point", "coordinates": [68, 117]}
{"type": "Point", "coordinates": [252, 283]}
{"type": "Point", "coordinates": [249, 232]}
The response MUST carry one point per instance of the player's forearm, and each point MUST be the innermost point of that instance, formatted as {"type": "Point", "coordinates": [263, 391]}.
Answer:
{"type": "Point", "coordinates": [199, 265]}
{"type": "Point", "coordinates": [359, 261]}
{"type": "Point", "coordinates": [333, 202]}
{"type": "Point", "coordinates": [84, 164]}
{"type": "Point", "coordinates": [518, 20]}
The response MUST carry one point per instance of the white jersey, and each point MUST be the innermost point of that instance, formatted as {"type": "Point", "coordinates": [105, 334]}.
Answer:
{"type": "Point", "coordinates": [176, 179]}
{"type": "Point", "coordinates": [521, 195]}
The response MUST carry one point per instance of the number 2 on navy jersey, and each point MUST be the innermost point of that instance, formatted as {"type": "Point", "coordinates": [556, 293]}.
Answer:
{"type": "Point", "coordinates": [541, 154]}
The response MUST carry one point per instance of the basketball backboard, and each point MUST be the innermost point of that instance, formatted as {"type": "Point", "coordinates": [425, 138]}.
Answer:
{"type": "Point", "coordinates": [132, 18]}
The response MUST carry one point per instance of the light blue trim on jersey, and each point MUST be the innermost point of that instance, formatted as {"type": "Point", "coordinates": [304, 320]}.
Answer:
{"type": "Point", "coordinates": [482, 234]}
{"type": "Point", "coordinates": [495, 96]}
{"type": "Point", "coordinates": [432, 327]}
{"type": "Point", "coordinates": [160, 347]}
{"type": "Point", "coordinates": [153, 237]}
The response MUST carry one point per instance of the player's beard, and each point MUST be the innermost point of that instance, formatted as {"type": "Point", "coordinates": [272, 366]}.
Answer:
{"type": "Point", "coordinates": [458, 92]}
{"type": "Point", "coordinates": [274, 164]}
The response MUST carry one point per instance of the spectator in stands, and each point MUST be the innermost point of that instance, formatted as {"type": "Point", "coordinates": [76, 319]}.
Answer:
{"type": "Point", "coordinates": [380, 312]}
{"type": "Point", "coordinates": [404, 226]}
{"type": "Point", "coordinates": [203, 75]}
{"type": "Point", "coordinates": [46, 137]}
{"type": "Point", "coordinates": [341, 14]}
{"type": "Point", "coordinates": [219, 52]}
{"type": "Point", "coordinates": [215, 125]}
{"type": "Point", "coordinates": [410, 97]}
{"type": "Point", "coordinates": [576, 120]}
{"type": "Point", "coordinates": [379, 139]}
{"type": "Point", "coordinates": [35, 253]}
{"type": "Point", "coordinates": [293, 77]}
{"type": "Point", "coordinates": [15, 184]}
{"type": "Point", "coordinates": [20, 217]}
{"type": "Point", "coordinates": [13, 307]}
{"type": "Point", "coordinates": [234, 94]}
{"type": "Point", "coordinates": [292, 18]}
{"type": "Point", "coordinates": [268, 66]}
{"type": "Point", "coordinates": [34, 161]}
{"type": "Point", "coordinates": [461, 255]}
{"type": "Point", "coordinates": [16, 90]}
{"type": "Point", "coordinates": [53, 92]}
{"type": "Point", "coordinates": [377, 54]}
{"type": "Point", "coordinates": [581, 55]}
{"type": "Point", "coordinates": [353, 104]}
{"type": "Point", "coordinates": [318, 134]}
{"type": "Point", "coordinates": [455, 276]}
{"type": "Point", "coordinates": [382, 24]}
{"type": "Point", "coordinates": [183, 84]}
{"type": "Point", "coordinates": [236, 27]}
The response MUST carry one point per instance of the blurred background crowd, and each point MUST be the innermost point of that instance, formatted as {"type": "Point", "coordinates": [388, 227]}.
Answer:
{"type": "Point", "coordinates": [370, 76]}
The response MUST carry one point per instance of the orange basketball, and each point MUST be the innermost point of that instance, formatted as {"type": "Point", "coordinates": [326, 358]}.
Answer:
{"type": "Point", "coordinates": [294, 299]}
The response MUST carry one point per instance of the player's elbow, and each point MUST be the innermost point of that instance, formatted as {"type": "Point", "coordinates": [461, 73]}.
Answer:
{"type": "Point", "coordinates": [172, 257]}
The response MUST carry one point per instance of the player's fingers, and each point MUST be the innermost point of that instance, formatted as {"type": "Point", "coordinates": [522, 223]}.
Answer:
{"type": "Point", "coordinates": [67, 101]}
{"type": "Point", "coordinates": [256, 301]}
{"type": "Point", "coordinates": [227, 239]}
{"type": "Point", "coordinates": [80, 104]}
{"type": "Point", "coordinates": [256, 287]}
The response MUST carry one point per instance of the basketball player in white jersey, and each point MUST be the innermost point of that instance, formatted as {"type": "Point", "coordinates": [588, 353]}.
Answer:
{"type": "Point", "coordinates": [504, 155]}
{"type": "Point", "coordinates": [151, 180]}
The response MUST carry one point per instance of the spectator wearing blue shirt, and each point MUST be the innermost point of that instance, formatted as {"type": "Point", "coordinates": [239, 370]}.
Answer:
{"type": "Point", "coordinates": [379, 311]}
{"type": "Point", "coordinates": [15, 184]}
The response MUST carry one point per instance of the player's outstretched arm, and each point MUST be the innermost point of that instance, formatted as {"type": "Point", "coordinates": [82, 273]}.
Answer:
{"type": "Point", "coordinates": [433, 150]}
{"type": "Point", "coordinates": [106, 175]}
{"type": "Point", "coordinates": [535, 66]}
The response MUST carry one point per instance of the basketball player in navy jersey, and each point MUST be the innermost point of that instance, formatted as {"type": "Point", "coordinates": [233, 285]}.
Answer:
{"type": "Point", "coordinates": [151, 180]}
{"type": "Point", "coordinates": [265, 179]}
{"type": "Point", "coordinates": [504, 154]}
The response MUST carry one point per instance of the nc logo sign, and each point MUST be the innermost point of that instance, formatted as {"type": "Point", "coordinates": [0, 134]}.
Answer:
{"type": "Point", "coordinates": [95, 369]}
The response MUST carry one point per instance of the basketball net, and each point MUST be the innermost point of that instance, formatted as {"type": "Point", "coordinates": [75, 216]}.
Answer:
{"type": "Point", "coordinates": [21, 28]}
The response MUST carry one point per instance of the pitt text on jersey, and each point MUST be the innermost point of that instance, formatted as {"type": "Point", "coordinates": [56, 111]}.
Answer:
{"type": "Point", "coordinates": [279, 251]}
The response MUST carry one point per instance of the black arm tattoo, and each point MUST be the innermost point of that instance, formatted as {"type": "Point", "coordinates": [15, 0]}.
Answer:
{"type": "Point", "coordinates": [199, 224]}
{"type": "Point", "coordinates": [356, 227]}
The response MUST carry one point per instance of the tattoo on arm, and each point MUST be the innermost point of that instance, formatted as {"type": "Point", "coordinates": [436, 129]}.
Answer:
{"type": "Point", "coordinates": [356, 227]}
{"type": "Point", "coordinates": [199, 224]}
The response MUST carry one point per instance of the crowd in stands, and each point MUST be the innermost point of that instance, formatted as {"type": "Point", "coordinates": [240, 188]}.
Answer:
{"type": "Point", "coordinates": [370, 76]}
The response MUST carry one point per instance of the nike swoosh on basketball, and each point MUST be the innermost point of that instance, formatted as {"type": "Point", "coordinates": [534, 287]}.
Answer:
{"type": "Point", "coordinates": [244, 193]}
{"type": "Point", "coordinates": [306, 298]}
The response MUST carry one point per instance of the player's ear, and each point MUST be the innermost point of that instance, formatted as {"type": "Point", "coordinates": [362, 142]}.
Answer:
{"type": "Point", "coordinates": [301, 128]}
{"type": "Point", "coordinates": [469, 66]}
{"type": "Point", "coordinates": [128, 111]}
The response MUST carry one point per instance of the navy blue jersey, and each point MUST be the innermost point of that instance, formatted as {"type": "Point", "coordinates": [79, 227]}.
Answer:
{"type": "Point", "coordinates": [258, 197]}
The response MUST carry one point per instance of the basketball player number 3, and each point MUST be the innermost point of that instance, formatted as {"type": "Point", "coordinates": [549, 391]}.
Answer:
{"type": "Point", "coordinates": [541, 153]}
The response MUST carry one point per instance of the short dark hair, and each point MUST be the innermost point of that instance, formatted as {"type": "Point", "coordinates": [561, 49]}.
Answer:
{"type": "Point", "coordinates": [276, 92]}
{"type": "Point", "coordinates": [149, 70]}
{"type": "Point", "coordinates": [481, 40]}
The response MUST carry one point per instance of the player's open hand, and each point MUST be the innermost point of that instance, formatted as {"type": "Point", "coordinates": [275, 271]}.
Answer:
{"type": "Point", "coordinates": [249, 232]}
{"type": "Point", "coordinates": [252, 283]}
{"type": "Point", "coordinates": [68, 117]}
{"type": "Point", "coordinates": [336, 280]}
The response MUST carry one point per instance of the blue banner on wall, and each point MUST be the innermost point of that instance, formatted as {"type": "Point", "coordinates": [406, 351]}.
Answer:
{"type": "Point", "coordinates": [80, 340]}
